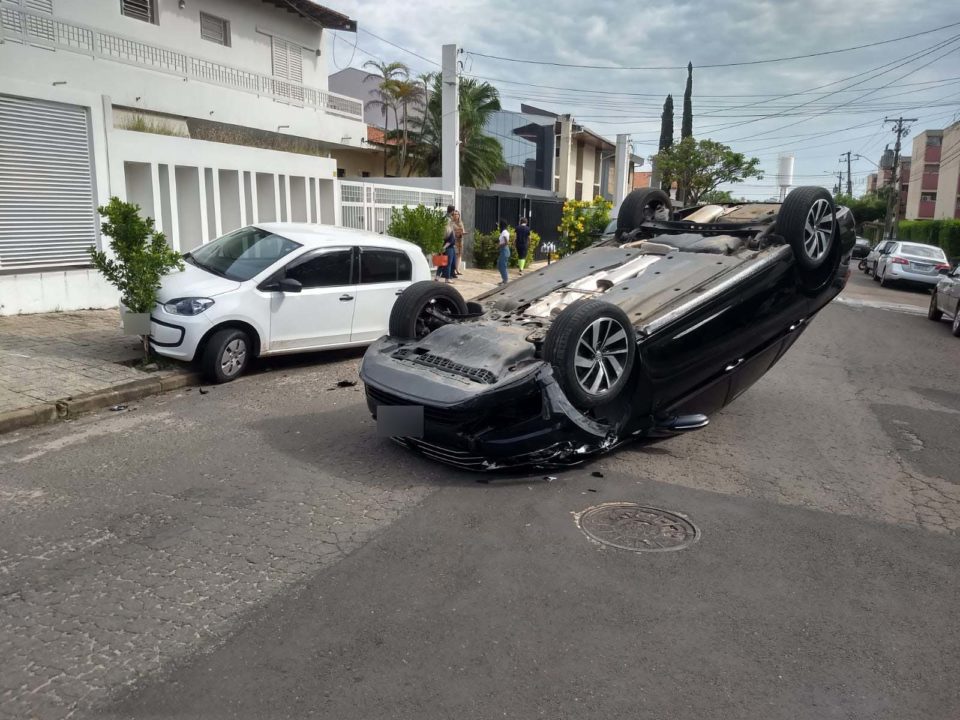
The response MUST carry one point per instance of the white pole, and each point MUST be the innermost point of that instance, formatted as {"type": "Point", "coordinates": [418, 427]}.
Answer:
{"type": "Point", "coordinates": [621, 167]}
{"type": "Point", "coordinates": [450, 123]}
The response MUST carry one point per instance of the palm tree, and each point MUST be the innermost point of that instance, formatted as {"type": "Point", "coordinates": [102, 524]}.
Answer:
{"type": "Point", "coordinates": [388, 76]}
{"type": "Point", "coordinates": [407, 94]}
{"type": "Point", "coordinates": [481, 156]}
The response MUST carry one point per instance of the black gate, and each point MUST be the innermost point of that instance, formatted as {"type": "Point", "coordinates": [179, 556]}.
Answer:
{"type": "Point", "coordinates": [544, 215]}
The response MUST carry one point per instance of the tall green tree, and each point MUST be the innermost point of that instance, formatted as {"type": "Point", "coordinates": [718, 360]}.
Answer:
{"type": "Point", "coordinates": [388, 77]}
{"type": "Point", "coordinates": [481, 156]}
{"type": "Point", "coordinates": [700, 166]}
{"type": "Point", "coordinates": [666, 138]}
{"type": "Point", "coordinates": [686, 126]}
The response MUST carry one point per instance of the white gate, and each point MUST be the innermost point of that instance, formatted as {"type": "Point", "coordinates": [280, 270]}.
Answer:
{"type": "Point", "coordinates": [369, 206]}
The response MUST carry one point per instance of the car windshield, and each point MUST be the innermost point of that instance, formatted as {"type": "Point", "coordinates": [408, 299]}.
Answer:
{"type": "Point", "coordinates": [923, 251]}
{"type": "Point", "coordinates": [242, 254]}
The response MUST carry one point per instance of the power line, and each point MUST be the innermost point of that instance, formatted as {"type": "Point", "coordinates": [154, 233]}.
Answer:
{"type": "Point", "coordinates": [713, 65]}
{"type": "Point", "coordinates": [411, 52]}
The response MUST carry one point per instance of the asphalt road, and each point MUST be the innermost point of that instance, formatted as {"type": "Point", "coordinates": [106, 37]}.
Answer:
{"type": "Point", "coordinates": [255, 551]}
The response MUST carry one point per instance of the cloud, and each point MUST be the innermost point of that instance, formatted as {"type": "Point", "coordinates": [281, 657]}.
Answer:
{"type": "Point", "coordinates": [729, 103]}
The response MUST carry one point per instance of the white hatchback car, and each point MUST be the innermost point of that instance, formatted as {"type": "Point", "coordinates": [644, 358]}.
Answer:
{"type": "Point", "coordinates": [277, 288]}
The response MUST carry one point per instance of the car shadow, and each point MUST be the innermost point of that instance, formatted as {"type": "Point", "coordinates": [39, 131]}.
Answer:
{"type": "Point", "coordinates": [344, 442]}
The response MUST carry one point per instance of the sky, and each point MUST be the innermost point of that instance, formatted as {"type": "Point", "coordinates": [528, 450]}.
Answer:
{"type": "Point", "coordinates": [816, 107]}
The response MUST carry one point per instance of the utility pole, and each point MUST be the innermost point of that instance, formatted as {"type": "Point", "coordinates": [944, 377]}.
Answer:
{"type": "Point", "coordinates": [893, 199]}
{"type": "Point", "coordinates": [839, 186]}
{"type": "Point", "coordinates": [849, 176]}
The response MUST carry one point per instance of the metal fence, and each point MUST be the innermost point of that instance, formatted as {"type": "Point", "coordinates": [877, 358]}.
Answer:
{"type": "Point", "coordinates": [369, 206]}
{"type": "Point", "coordinates": [18, 25]}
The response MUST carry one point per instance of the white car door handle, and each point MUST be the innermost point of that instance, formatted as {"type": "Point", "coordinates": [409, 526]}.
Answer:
{"type": "Point", "coordinates": [346, 298]}
{"type": "Point", "coordinates": [399, 292]}
{"type": "Point", "coordinates": [734, 365]}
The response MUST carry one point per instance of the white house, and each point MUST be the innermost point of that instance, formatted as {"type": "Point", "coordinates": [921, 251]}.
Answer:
{"type": "Point", "coordinates": [210, 114]}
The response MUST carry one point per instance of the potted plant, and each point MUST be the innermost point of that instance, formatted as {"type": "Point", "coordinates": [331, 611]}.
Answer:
{"type": "Point", "coordinates": [141, 257]}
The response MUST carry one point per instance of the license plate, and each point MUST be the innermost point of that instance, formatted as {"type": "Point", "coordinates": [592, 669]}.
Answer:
{"type": "Point", "coordinates": [922, 266]}
{"type": "Point", "coordinates": [400, 421]}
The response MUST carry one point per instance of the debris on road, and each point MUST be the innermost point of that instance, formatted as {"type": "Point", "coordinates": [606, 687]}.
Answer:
{"type": "Point", "coordinates": [118, 408]}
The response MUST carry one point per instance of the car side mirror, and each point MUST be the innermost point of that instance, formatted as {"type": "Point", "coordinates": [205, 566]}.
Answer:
{"type": "Point", "coordinates": [289, 285]}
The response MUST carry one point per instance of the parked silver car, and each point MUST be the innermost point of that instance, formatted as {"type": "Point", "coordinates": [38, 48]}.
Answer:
{"type": "Point", "coordinates": [869, 263]}
{"type": "Point", "coordinates": [946, 299]}
{"type": "Point", "coordinates": [910, 262]}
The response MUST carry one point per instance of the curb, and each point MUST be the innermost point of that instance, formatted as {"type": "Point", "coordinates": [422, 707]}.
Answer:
{"type": "Point", "coordinates": [73, 406]}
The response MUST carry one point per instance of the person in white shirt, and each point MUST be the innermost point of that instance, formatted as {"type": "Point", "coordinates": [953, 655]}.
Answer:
{"type": "Point", "coordinates": [503, 260]}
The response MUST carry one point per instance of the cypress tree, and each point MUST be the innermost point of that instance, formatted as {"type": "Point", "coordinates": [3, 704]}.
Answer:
{"type": "Point", "coordinates": [666, 137]}
{"type": "Point", "coordinates": [686, 128]}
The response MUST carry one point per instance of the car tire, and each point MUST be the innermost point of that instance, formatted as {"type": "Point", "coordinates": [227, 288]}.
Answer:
{"type": "Point", "coordinates": [422, 308]}
{"type": "Point", "coordinates": [883, 280]}
{"type": "Point", "coordinates": [225, 355]}
{"type": "Point", "coordinates": [876, 278]}
{"type": "Point", "coordinates": [802, 222]}
{"type": "Point", "coordinates": [640, 206]}
{"type": "Point", "coordinates": [591, 346]}
{"type": "Point", "coordinates": [933, 312]}
{"type": "Point", "coordinates": [955, 328]}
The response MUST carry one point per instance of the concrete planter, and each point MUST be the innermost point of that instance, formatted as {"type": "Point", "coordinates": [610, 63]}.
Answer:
{"type": "Point", "coordinates": [135, 323]}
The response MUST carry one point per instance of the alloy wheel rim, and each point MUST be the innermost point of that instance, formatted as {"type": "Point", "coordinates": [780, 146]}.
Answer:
{"type": "Point", "coordinates": [234, 354]}
{"type": "Point", "coordinates": [817, 229]}
{"type": "Point", "coordinates": [601, 356]}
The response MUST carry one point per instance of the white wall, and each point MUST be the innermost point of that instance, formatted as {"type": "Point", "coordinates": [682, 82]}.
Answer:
{"type": "Point", "coordinates": [139, 87]}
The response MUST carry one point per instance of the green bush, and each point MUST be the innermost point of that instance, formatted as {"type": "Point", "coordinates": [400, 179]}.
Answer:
{"type": "Point", "coordinates": [141, 255]}
{"type": "Point", "coordinates": [949, 238]}
{"type": "Point", "coordinates": [420, 225]}
{"type": "Point", "coordinates": [485, 249]}
{"type": "Point", "coordinates": [943, 233]}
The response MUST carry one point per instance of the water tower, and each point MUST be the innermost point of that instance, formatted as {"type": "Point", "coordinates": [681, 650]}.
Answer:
{"type": "Point", "coordinates": [784, 173]}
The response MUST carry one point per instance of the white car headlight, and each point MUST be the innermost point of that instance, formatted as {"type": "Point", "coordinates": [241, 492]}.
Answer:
{"type": "Point", "coordinates": [187, 306]}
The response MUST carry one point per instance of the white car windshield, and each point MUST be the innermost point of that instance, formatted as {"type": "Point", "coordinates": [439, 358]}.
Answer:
{"type": "Point", "coordinates": [922, 251]}
{"type": "Point", "coordinates": [242, 254]}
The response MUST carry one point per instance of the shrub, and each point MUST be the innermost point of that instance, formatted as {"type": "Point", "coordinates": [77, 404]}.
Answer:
{"type": "Point", "coordinates": [949, 238]}
{"type": "Point", "coordinates": [141, 255]}
{"type": "Point", "coordinates": [420, 225]}
{"type": "Point", "coordinates": [531, 247]}
{"type": "Point", "coordinates": [485, 249]}
{"type": "Point", "coordinates": [582, 221]}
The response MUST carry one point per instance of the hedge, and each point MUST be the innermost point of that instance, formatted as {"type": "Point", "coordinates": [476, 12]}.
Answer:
{"type": "Point", "coordinates": [943, 233]}
{"type": "Point", "coordinates": [486, 247]}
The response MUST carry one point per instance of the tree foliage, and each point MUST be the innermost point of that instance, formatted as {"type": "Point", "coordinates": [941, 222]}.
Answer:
{"type": "Point", "coordinates": [582, 221]}
{"type": "Point", "coordinates": [389, 78]}
{"type": "Point", "coordinates": [420, 225]}
{"type": "Point", "coordinates": [712, 197]}
{"type": "Point", "coordinates": [868, 208]}
{"type": "Point", "coordinates": [141, 255]}
{"type": "Point", "coordinates": [686, 127]}
{"type": "Point", "coordinates": [481, 156]}
{"type": "Point", "coordinates": [666, 136]}
{"type": "Point", "coordinates": [700, 166]}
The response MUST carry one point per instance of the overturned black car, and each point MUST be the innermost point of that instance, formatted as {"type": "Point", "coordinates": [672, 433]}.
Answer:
{"type": "Point", "coordinates": [644, 334]}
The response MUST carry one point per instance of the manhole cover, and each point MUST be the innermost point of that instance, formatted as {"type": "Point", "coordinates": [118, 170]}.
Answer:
{"type": "Point", "coordinates": [630, 526]}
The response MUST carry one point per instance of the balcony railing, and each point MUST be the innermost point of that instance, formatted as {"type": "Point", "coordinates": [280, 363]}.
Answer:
{"type": "Point", "coordinates": [30, 28]}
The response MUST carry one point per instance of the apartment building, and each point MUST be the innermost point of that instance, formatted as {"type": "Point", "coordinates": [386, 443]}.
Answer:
{"type": "Point", "coordinates": [209, 114]}
{"type": "Point", "coordinates": [934, 191]}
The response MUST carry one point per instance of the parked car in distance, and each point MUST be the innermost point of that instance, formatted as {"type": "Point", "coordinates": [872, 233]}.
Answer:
{"type": "Point", "coordinates": [870, 261]}
{"type": "Point", "coordinates": [910, 262]}
{"type": "Point", "coordinates": [277, 288]}
{"type": "Point", "coordinates": [861, 248]}
{"type": "Point", "coordinates": [946, 299]}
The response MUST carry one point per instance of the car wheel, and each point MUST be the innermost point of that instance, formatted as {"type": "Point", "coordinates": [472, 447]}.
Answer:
{"type": "Point", "coordinates": [934, 313]}
{"type": "Point", "coordinates": [591, 346]}
{"type": "Point", "coordinates": [641, 206]}
{"type": "Point", "coordinates": [226, 355]}
{"type": "Point", "coordinates": [808, 222]}
{"type": "Point", "coordinates": [876, 278]}
{"type": "Point", "coordinates": [956, 323]}
{"type": "Point", "coordinates": [862, 265]}
{"type": "Point", "coordinates": [883, 279]}
{"type": "Point", "coordinates": [422, 308]}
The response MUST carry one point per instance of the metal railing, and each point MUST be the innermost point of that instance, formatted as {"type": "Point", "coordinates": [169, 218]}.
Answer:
{"type": "Point", "coordinates": [370, 206]}
{"type": "Point", "coordinates": [17, 25]}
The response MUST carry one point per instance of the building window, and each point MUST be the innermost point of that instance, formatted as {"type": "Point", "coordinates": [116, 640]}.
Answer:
{"type": "Point", "coordinates": [287, 61]}
{"type": "Point", "coordinates": [364, 173]}
{"type": "Point", "coordinates": [145, 10]}
{"type": "Point", "coordinates": [341, 172]}
{"type": "Point", "coordinates": [931, 168]}
{"type": "Point", "coordinates": [934, 140]}
{"type": "Point", "coordinates": [928, 197]}
{"type": "Point", "coordinates": [214, 29]}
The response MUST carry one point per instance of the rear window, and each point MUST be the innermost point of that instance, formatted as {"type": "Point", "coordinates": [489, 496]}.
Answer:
{"type": "Point", "coordinates": [926, 251]}
{"type": "Point", "coordinates": [384, 266]}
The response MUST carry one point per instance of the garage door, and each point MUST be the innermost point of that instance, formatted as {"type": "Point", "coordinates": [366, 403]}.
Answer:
{"type": "Point", "coordinates": [47, 211]}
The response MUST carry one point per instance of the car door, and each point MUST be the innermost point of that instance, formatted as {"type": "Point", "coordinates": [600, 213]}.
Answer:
{"type": "Point", "coordinates": [384, 273]}
{"type": "Point", "coordinates": [885, 253]}
{"type": "Point", "coordinates": [321, 313]}
{"type": "Point", "coordinates": [951, 301]}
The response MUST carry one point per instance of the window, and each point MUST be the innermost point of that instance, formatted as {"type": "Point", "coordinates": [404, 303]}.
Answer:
{"type": "Point", "coordinates": [934, 140]}
{"type": "Point", "coordinates": [383, 266]}
{"type": "Point", "coordinates": [287, 61]}
{"type": "Point", "coordinates": [328, 269]}
{"type": "Point", "coordinates": [928, 197]}
{"type": "Point", "coordinates": [241, 254]}
{"type": "Point", "coordinates": [931, 168]}
{"type": "Point", "coordinates": [214, 29]}
{"type": "Point", "coordinates": [341, 172]}
{"type": "Point", "coordinates": [145, 10]}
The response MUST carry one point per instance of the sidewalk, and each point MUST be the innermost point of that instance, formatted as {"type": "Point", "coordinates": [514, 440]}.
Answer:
{"type": "Point", "coordinates": [56, 365]}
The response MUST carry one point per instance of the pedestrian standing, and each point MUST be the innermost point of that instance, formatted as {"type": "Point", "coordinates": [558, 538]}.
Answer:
{"type": "Point", "coordinates": [458, 231]}
{"type": "Point", "coordinates": [523, 242]}
{"type": "Point", "coordinates": [504, 258]}
{"type": "Point", "coordinates": [449, 245]}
